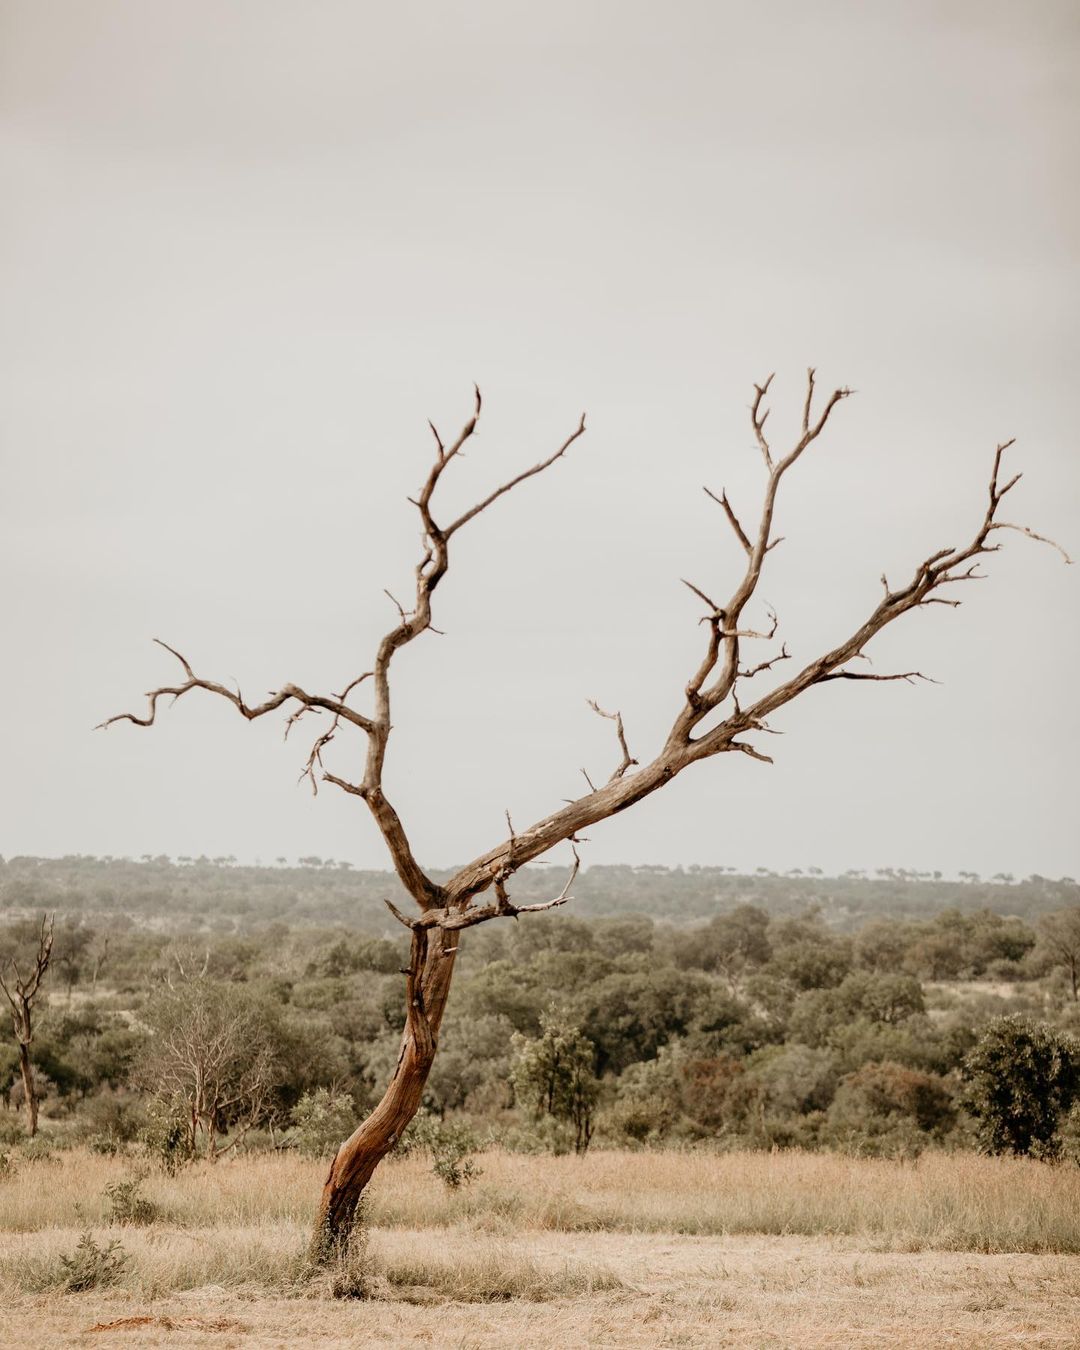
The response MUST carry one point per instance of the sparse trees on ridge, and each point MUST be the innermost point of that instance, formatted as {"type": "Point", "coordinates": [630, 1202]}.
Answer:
{"type": "Point", "coordinates": [717, 712]}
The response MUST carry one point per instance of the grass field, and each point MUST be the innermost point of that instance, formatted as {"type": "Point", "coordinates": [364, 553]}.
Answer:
{"type": "Point", "coordinates": [614, 1249]}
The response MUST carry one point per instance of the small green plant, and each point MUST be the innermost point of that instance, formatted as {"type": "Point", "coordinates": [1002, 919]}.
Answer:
{"type": "Point", "coordinates": [91, 1266]}
{"type": "Point", "coordinates": [125, 1203]}
{"type": "Point", "coordinates": [323, 1118]}
{"type": "Point", "coordinates": [165, 1137]}
{"type": "Point", "coordinates": [41, 1148]}
{"type": "Point", "coordinates": [454, 1170]}
{"type": "Point", "coordinates": [449, 1145]}
{"type": "Point", "coordinates": [105, 1145]}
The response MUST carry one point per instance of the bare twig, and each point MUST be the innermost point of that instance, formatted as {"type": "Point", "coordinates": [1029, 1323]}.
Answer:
{"type": "Point", "coordinates": [428, 573]}
{"type": "Point", "coordinates": [759, 419]}
{"type": "Point", "coordinates": [811, 372]}
{"type": "Point", "coordinates": [627, 760]}
{"type": "Point", "coordinates": [908, 676]}
{"type": "Point", "coordinates": [733, 520]}
{"type": "Point", "coordinates": [275, 700]}
{"type": "Point", "coordinates": [782, 655]}
{"type": "Point", "coordinates": [1023, 529]}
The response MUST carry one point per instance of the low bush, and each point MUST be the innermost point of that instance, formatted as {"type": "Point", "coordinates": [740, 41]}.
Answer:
{"type": "Point", "coordinates": [91, 1266]}
{"type": "Point", "coordinates": [125, 1203]}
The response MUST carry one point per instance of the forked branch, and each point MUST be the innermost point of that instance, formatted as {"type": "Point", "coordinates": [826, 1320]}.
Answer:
{"type": "Point", "coordinates": [467, 916]}
{"type": "Point", "coordinates": [627, 761]}
{"type": "Point", "coordinates": [411, 624]}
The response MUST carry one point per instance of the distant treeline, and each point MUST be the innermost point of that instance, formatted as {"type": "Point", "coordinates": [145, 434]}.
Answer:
{"type": "Point", "coordinates": [217, 894]}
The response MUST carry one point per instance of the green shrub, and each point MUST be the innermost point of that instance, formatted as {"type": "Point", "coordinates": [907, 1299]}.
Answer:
{"type": "Point", "coordinates": [91, 1266]}
{"type": "Point", "coordinates": [166, 1136]}
{"type": "Point", "coordinates": [1022, 1078]}
{"type": "Point", "coordinates": [11, 1131]}
{"type": "Point", "coordinates": [42, 1148]}
{"type": "Point", "coordinates": [323, 1118]}
{"type": "Point", "coordinates": [109, 1121]}
{"type": "Point", "coordinates": [1068, 1136]}
{"type": "Point", "coordinates": [124, 1202]}
{"type": "Point", "coordinates": [449, 1144]}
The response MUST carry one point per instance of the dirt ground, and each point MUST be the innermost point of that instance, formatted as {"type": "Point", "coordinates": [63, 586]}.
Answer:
{"type": "Point", "coordinates": [680, 1291]}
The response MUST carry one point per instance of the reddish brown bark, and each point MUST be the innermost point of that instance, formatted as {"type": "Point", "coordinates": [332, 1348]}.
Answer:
{"type": "Point", "coordinates": [431, 967]}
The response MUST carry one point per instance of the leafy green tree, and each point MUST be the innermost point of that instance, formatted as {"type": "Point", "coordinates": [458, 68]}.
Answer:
{"type": "Point", "coordinates": [796, 1079]}
{"type": "Point", "coordinates": [820, 1016]}
{"type": "Point", "coordinates": [684, 1095]}
{"type": "Point", "coordinates": [629, 1014]}
{"type": "Point", "coordinates": [473, 1070]}
{"type": "Point", "coordinates": [648, 1105]}
{"type": "Point", "coordinates": [806, 955]}
{"type": "Point", "coordinates": [553, 1075]}
{"type": "Point", "coordinates": [1022, 1077]}
{"type": "Point", "coordinates": [882, 945]}
{"type": "Point", "coordinates": [728, 943]}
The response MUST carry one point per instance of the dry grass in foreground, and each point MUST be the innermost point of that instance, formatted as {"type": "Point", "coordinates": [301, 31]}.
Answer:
{"type": "Point", "coordinates": [675, 1291]}
{"type": "Point", "coordinates": [957, 1202]}
{"type": "Point", "coordinates": [614, 1249]}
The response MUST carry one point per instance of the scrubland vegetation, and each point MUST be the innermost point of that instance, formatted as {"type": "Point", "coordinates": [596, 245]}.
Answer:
{"type": "Point", "coordinates": [659, 1132]}
{"type": "Point", "coordinates": [758, 1028]}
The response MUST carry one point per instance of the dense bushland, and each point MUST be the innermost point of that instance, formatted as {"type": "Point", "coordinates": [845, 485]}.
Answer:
{"type": "Point", "coordinates": [758, 1028]}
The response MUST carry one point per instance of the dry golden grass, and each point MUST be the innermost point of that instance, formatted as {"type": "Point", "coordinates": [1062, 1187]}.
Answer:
{"type": "Point", "coordinates": [957, 1202]}
{"type": "Point", "coordinates": [615, 1249]}
{"type": "Point", "coordinates": [676, 1291]}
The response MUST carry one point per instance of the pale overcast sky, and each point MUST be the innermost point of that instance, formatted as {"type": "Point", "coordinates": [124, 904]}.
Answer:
{"type": "Point", "coordinates": [249, 247]}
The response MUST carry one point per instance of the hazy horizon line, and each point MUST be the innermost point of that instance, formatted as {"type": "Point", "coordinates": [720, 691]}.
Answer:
{"type": "Point", "coordinates": [312, 862]}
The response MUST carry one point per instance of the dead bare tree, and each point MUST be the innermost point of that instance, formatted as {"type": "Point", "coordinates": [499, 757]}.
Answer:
{"type": "Point", "coordinates": [22, 994]}
{"type": "Point", "coordinates": [1060, 936]}
{"type": "Point", "coordinates": [714, 687]}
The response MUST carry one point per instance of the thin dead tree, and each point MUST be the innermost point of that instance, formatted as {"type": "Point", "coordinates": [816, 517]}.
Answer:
{"type": "Point", "coordinates": [714, 716]}
{"type": "Point", "coordinates": [1060, 936]}
{"type": "Point", "coordinates": [22, 994]}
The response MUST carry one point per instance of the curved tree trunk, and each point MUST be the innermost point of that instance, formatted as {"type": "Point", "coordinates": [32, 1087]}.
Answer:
{"type": "Point", "coordinates": [431, 966]}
